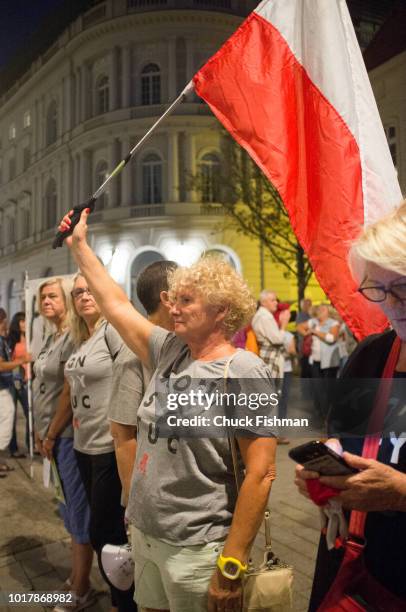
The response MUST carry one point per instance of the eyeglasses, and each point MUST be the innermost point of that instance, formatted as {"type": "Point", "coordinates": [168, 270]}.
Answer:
{"type": "Point", "coordinates": [379, 294]}
{"type": "Point", "coordinates": [78, 293]}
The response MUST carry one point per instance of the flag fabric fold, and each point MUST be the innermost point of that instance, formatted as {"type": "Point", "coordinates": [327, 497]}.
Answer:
{"type": "Point", "coordinates": [291, 87]}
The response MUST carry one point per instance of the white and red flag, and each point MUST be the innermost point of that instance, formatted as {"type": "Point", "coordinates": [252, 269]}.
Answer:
{"type": "Point", "coordinates": [291, 87]}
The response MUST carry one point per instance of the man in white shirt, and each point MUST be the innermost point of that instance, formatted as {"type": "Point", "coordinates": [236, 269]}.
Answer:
{"type": "Point", "coordinates": [270, 336]}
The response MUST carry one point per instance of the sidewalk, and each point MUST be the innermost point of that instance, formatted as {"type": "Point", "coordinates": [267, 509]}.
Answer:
{"type": "Point", "coordinates": [34, 549]}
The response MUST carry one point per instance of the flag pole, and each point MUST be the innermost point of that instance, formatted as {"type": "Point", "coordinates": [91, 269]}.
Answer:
{"type": "Point", "coordinates": [29, 388]}
{"type": "Point", "coordinates": [77, 210]}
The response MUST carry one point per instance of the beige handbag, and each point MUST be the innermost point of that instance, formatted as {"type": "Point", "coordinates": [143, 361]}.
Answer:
{"type": "Point", "coordinates": [267, 584]}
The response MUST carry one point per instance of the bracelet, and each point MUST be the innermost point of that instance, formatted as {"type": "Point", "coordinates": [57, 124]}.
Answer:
{"type": "Point", "coordinates": [50, 439]}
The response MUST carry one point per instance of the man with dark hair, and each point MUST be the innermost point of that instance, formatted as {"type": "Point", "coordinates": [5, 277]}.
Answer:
{"type": "Point", "coordinates": [130, 377]}
{"type": "Point", "coordinates": [7, 407]}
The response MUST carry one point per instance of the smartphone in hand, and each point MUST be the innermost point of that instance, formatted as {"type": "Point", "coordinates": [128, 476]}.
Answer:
{"type": "Point", "coordinates": [318, 457]}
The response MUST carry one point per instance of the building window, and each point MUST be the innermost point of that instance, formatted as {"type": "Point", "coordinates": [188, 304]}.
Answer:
{"type": "Point", "coordinates": [25, 224]}
{"type": "Point", "coordinates": [11, 231]}
{"type": "Point", "coordinates": [12, 132]}
{"type": "Point", "coordinates": [51, 124]}
{"type": "Point", "coordinates": [209, 168]}
{"type": "Point", "coordinates": [152, 179]}
{"type": "Point", "coordinates": [51, 202]}
{"type": "Point", "coordinates": [12, 168]}
{"type": "Point", "coordinates": [391, 137]}
{"type": "Point", "coordinates": [26, 158]}
{"type": "Point", "coordinates": [1, 171]}
{"type": "Point", "coordinates": [151, 85]}
{"type": "Point", "coordinates": [102, 95]}
{"type": "Point", "coordinates": [101, 175]}
{"type": "Point", "coordinates": [27, 119]}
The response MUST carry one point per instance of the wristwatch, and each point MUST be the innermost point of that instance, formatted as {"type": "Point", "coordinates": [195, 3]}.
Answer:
{"type": "Point", "coordinates": [230, 567]}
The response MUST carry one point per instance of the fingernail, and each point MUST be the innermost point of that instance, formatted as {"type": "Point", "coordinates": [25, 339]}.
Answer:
{"type": "Point", "coordinates": [88, 210]}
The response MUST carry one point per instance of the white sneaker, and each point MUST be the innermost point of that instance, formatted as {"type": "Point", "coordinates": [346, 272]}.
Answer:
{"type": "Point", "coordinates": [77, 603]}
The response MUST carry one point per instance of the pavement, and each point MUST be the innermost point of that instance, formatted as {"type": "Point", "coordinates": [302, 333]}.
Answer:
{"type": "Point", "coordinates": [34, 548]}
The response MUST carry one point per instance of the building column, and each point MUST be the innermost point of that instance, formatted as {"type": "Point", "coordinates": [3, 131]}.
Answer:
{"type": "Point", "coordinates": [126, 76]}
{"type": "Point", "coordinates": [113, 80]}
{"type": "Point", "coordinates": [190, 67]}
{"type": "Point", "coordinates": [128, 198]}
{"type": "Point", "coordinates": [78, 115]}
{"type": "Point", "coordinates": [190, 166]}
{"type": "Point", "coordinates": [34, 143]}
{"type": "Point", "coordinates": [77, 178]}
{"type": "Point", "coordinates": [84, 98]}
{"type": "Point", "coordinates": [41, 125]}
{"type": "Point", "coordinates": [173, 167]}
{"type": "Point", "coordinates": [113, 185]}
{"type": "Point", "coordinates": [60, 193]}
{"type": "Point", "coordinates": [85, 175]}
{"type": "Point", "coordinates": [172, 80]}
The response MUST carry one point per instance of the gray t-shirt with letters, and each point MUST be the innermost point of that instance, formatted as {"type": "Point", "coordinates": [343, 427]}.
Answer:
{"type": "Point", "coordinates": [183, 489]}
{"type": "Point", "coordinates": [89, 372]}
{"type": "Point", "coordinates": [48, 382]}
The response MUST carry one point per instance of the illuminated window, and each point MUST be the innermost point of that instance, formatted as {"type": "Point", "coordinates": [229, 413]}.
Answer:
{"type": "Point", "coordinates": [27, 119]}
{"type": "Point", "coordinates": [209, 168]}
{"type": "Point", "coordinates": [12, 132]}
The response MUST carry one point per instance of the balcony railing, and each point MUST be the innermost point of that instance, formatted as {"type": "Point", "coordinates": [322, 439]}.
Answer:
{"type": "Point", "coordinates": [147, 210]}
{"type": "Point", "coordinates": [229, 6]}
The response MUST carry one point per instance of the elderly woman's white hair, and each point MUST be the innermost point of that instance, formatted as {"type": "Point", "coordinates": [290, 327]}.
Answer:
{"type": "Point", "coordinates": [220, 286]}
{"type": "Point", "coordinates": [382, 243]}
{"type": "Point", "coordinates": [65, 285]}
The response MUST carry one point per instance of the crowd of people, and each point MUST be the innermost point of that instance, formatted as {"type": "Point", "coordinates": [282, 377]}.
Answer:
{"type": "Point", "coordinates": [98, 383]}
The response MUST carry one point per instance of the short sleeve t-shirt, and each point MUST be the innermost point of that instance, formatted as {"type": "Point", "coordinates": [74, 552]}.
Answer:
{"type": "Point", "coordinates": [130, 379]}
{"type": "Point", "coordinates": [183, 489]}
{"type": "Point", "coordinates": [89, 372]}
{"type": "Point", "coordinates": [49, 380]}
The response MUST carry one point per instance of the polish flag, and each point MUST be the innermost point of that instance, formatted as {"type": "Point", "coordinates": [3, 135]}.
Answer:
{"type": "Point", "coordinates": [291, 87]}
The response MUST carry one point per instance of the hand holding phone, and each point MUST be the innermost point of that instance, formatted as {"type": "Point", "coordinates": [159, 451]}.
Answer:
{"type": "Point", "coordinates": [315, 456]}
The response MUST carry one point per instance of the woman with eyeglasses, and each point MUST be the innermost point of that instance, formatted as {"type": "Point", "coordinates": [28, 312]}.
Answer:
{"type": "Point", "coordinates": [54, 433]}
{"type": "Point", "coordinates": [89, 373]}
{"type": "Point", "coordinates": [377, 487]}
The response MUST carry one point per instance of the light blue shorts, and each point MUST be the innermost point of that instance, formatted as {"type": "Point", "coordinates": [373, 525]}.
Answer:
{"type": "Point", "coordinates": [76, 512]}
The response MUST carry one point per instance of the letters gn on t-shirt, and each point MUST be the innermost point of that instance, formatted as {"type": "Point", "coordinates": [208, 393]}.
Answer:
{"type": "Point", "coordinates": [49, 380]}
{"type": "Point", "coordinates": [183, 489]}
{"type": "Point", "coordinates": [89, 372]}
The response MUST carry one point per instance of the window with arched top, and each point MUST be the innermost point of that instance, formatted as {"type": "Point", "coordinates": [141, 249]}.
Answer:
{"type": "Point", "coordinates": [51, 202]}
{"type": "Point", "coordinates": [209, 169]}
{"type": "Point", "coordinates": [11, 230]}
{"type": "Point", "coordinates": [102, 94]}
{"type": "Point", "coordinates": [51, 123]}
{"type": "Point", "coordinates": [152, 179]}
{"type": "Point", "coordinates": [101, 174]}
{"type": "Point", "coordinates": [151, 85]}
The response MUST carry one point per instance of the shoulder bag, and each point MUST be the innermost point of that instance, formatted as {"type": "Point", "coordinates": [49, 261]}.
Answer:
{"type": "Point", "coordinates": [267, 585]}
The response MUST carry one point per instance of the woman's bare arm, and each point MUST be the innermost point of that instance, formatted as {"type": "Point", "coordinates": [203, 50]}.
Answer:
{"type": "Point", "coordinates": [134, 329]}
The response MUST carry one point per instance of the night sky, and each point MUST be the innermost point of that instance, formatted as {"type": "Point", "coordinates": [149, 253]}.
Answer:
{"type": "Point", "coordinates": [19, 19]}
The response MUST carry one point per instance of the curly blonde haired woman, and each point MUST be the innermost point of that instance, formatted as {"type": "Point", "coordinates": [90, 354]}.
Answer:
{"type": "Point", "coordinates": [183, 505]}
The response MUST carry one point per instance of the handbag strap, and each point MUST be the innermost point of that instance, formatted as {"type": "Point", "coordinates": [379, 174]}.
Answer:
{"type": "Point", "coordinates": [234, 456]}
{"type": "Point", "coordinates": [375, 427]}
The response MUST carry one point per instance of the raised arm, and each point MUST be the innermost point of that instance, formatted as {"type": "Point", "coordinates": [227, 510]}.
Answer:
{"type": "Point", "coordinates": [134, 329]}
